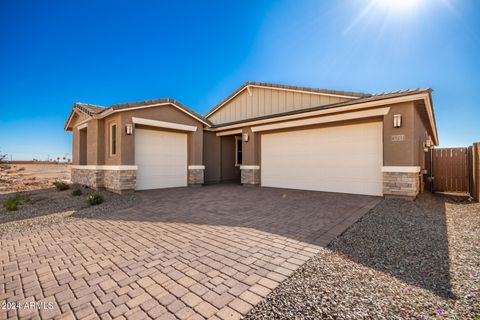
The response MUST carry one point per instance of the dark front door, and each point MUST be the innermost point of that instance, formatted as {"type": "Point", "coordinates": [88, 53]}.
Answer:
{"type": "Point", "coordinates": [230, 171]}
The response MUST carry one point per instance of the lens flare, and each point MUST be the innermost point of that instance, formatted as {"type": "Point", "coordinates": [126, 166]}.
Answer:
{"type": "Point", "coordinates": [401, 4]}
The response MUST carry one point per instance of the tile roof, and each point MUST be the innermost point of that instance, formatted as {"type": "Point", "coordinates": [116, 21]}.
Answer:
{"type": "Point", "coordinates": [157, 101]}
{"type": "Point", "coordinates": [400, 92]}
{"type": "Point", "coordinates": [92, 109]}
{"type": "Point", "coordinates": [89, 109]}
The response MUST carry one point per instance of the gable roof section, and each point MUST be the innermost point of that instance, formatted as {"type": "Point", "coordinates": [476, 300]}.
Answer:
{"type": "Point", "coordinates": [95, 111]}
{"type": "Point", "coordinates": [153, 103]}
{"type": "Point", "coordinates": [336, 93]}
{"type": "Point", "coordinates": [90, 109]}
{"type": "Point", "coordinates": [156, 102]}
{"type": "Point", "coordinates": [373, 99]}
{"type": "Point", "coordinates": [87, 109]}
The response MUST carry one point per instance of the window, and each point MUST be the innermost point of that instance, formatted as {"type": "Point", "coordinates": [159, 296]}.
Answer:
{"type": "Point", "coordinates": [113, 139]}
{"type": "Point", "coordinates": [83, 146]}
{"type": "Point", "coordinates": [238, 151]}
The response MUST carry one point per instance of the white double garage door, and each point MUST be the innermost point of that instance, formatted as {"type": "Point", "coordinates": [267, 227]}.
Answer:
{"type": "Point", "coordinates": [346, 159]}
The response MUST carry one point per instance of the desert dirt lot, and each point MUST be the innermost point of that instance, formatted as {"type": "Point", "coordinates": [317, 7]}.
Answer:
{"type": "Point", "coordinates": [25, 177]}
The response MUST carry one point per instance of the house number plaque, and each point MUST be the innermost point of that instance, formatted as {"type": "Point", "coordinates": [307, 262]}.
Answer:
{"type": "Point", "coordinates": [398, 137]}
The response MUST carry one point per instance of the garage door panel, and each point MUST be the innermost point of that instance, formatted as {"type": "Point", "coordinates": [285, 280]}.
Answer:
{"type": "Point", "coordinates": [161, 158]}
{"type": "Point", "coordinates": [337, 159]}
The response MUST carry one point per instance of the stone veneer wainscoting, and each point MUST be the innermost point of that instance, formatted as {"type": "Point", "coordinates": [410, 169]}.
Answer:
{"type": "Point", "coordinates": [88, 177]}
{"type": "Point", "coordinates": [250, 175]}
{"type": "Point", "coordinates": [401, 181]}
{"type": "Point", "coordinates": [195, 175]}
{"type": "Point", "coordinates": [118, 179]}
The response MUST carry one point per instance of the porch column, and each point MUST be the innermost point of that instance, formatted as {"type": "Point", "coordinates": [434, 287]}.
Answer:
{"type": "Point", "coordinates": [195, 175]}
{"type": "Point", "coordinates": [196, 168]}
{"type": "Point", "coordinates": [250, 168]}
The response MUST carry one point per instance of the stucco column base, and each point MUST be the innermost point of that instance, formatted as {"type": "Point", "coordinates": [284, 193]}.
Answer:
{"type": "Point", "coordinates": [401, 184]}
{"type": "Point", "coordinates": [250, 175]}
{"type": "Point", "coordinates": [195, 176]}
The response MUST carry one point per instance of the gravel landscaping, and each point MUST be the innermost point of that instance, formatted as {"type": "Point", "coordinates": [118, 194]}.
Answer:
{"type": "Point", "coordinates": [50, 206]}
{"type": "Point", "coordinates": [402, 260]}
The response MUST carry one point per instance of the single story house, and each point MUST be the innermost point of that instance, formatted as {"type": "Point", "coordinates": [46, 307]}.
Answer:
{"type": "Point", "coordinates": [262, 135]}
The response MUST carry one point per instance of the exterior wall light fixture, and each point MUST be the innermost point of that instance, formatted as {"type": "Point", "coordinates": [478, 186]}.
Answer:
{"type": "Point", "coordinates": [129, 129]}
{"type": "Point", "coordinates": [397, 120]}
{"type": "Point", "coordinates": [245, 137]}
{"type": "Point", "coordinates": [428, 144]}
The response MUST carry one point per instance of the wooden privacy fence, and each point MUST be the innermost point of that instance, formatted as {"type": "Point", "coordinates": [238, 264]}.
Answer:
{"type": "Point", "coordinates": [457, 170]}
{"type": "Point", "coordinates": [450, 170]}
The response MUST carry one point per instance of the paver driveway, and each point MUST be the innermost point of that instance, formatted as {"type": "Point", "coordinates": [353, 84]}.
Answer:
{"type": "Point", "coordinates": [187, 253]}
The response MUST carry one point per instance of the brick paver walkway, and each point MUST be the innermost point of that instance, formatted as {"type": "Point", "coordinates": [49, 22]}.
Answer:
{"type": "Point", "coordinates": [188, 253]}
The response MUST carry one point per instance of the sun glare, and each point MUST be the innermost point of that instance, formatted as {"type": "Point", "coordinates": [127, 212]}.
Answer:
{"type": "Point", "coordinates": [400, 4]}
{"type": "Point", "coordinates": [388, 9]}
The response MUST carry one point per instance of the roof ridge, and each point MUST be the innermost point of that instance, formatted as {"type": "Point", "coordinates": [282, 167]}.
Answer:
{"type": "Point", "coordinates": [88, 108]}
{"type": "Point", "coordinates": [143, 103]}
{"type": "Point", "coordinates": [89, 104]}
{"type": "Point", "coordinates": [309, 89]}
{"type": "Point", "coordinates": [411, 90]}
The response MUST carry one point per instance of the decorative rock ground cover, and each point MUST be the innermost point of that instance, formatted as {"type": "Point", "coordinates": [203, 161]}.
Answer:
{"type": "Point", "coordinates": [50, 206]}
{"type": "Point", "coordinates": [402, 260]}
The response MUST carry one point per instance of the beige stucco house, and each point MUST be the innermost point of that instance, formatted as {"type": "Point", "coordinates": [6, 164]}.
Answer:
{"type": "Point", "coordinates": [262, 135]}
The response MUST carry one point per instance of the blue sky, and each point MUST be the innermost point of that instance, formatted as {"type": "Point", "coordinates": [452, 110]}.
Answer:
{"type": "Point", "coordinates": [54, 53]}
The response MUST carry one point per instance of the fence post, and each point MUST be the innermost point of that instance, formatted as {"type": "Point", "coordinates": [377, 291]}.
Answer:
{"type": "Point", "coordinates": [471, 171]}
{"type": "Point", "coordinates": [475, 177]}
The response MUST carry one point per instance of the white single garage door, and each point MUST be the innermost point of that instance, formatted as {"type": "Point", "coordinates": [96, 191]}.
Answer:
{"type": "Point", "coordinates": [161, 158]}
{"type": "Point", "coordinates": [345, 159]}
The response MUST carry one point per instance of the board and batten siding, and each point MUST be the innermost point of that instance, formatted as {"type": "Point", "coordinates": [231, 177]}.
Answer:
{"type": "Point", "coordinates": [264, 101]}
